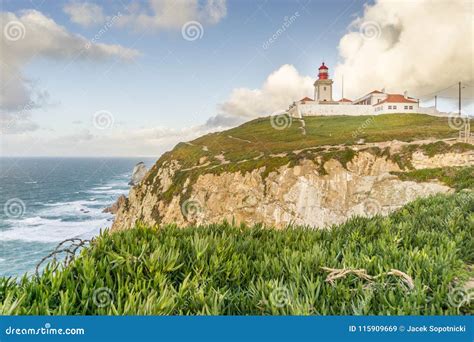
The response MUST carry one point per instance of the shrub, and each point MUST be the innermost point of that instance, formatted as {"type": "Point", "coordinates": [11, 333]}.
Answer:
{"type": "Point", "coordinates": [224, 269]}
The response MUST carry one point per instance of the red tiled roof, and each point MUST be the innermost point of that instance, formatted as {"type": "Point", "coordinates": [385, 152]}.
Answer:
{"type": "Point", "coordinates": [323, 67]}
{"type": "Point", "coordinates": [397, 98]}
{"type": "Point", "coordinates": [375, 92]}
{"type": "Point", "coordinates": [344, 100]}
{"type": "Point", "coordinates": [306, 99]}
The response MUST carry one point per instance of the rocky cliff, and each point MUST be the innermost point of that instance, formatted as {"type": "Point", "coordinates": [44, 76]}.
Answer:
{"type": "Point", "coordinates": [138, 173]}
{"type": "Point", "coordinates": [317, 186]}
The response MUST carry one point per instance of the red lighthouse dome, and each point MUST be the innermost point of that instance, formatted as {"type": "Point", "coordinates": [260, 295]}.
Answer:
{"type": "Point", "coordinates": [323, 72]}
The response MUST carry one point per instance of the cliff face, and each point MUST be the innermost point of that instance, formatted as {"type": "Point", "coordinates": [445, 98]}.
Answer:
{"type": "Point", "coordinates": [317, 191]}
{"type": "Point", "coordinates": [138, 173]}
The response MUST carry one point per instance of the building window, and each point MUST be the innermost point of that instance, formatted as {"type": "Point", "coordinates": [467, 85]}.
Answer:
{"type": "Point", "coordinates": [394, 107]}
{"type": "Point", "coordinates": [411, 107]}
{"type": "Point", "coordinates": [324, 88]}
{"type": "Point", "coordinates": [378, 100]}
{"type": "Point", "coordinates": [406, 107]}
{"type": "Point", "coordinates": [389, 107]}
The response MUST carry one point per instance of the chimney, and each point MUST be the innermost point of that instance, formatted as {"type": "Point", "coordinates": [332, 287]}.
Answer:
{"type": "Point", "coordinates": [405, 94]}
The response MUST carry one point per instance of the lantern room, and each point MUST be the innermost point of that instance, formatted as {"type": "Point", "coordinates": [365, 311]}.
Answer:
{"type": "Point", "coordinates": [323, 72]}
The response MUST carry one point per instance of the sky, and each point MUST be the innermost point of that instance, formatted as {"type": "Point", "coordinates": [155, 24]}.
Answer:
{"type": "Point", "coordinates": [133, 78]}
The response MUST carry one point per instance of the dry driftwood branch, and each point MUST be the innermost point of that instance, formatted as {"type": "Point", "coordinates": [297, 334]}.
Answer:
{"type": "Point", "coordinates": [336, 273]}
{"type": "Point", "coordinates": [405, 278]}
{"type": "Point", "coordinates": [75, 245]}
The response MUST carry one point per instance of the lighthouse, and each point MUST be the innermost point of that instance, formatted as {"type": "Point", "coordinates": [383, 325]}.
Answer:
{"type": "Point", "coordinates": [323, 86]}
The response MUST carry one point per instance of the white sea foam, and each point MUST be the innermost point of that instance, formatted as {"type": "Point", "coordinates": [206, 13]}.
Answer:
{"type": "Point", "coordinates": [102, 188]}
{"type": "Point", "coordinates": [108, 192]}
{"type": "Point", "coordinates": [58, 221]}
{"type": "Point", "coordinates": [38, 229]}
{"type": "Point", "coordinates": [75, 210]}
{"type": "Point", "coordinates": [50, 221]}
{"type": "Point", "coordinates": [73, 203]}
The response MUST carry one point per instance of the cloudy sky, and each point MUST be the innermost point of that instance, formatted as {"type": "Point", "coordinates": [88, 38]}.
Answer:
{"type": "Point", "coordinates": [133, 78]}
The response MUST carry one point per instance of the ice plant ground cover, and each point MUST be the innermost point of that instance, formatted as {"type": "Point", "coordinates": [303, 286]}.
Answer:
{"type": "Point", "coordinates": [413, 262]}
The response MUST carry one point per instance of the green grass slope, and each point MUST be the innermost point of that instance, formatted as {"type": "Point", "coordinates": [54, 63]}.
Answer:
{"type": "Point", "coordinates": [222, 269]}
{"type": "Point", "coordinates": [258, 144]}
{"type": "Point", "coordinates": [259, 136]}
{"type": "Point", "coordinates": [458, 178]}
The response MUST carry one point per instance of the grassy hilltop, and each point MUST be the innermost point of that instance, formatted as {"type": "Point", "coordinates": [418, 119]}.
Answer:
{"type": "Point", "coordinates": [274, 142]}
{"type": "Point", "coordinates": [260, 136]}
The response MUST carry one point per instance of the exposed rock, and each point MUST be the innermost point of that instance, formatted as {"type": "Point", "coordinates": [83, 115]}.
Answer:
{"type": "Point", "coordinates": [139, 172]}
{"type": "Point", "coordinates": [120, 202]}
{"type": "Point", "coordinates": [301, 194]}
{"type": "Point", "coordinates": [421, 161]}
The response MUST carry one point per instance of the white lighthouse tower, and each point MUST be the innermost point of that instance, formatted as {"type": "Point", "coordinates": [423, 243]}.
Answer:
{"type": "Point", "coordinates": [323, 86]}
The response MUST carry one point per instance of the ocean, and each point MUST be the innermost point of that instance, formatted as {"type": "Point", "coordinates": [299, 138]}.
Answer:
{"type": "Point", "coordinates": [44, 201]}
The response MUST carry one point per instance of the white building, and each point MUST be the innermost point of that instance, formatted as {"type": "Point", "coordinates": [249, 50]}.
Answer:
{"type": "Point", "coordinates": [374, 103]}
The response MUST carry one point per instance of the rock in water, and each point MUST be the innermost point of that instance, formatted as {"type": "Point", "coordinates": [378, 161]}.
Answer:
{"type": "Point", "coordinates": [139, 171]}
{"type": "Point", "coordinates": [121, 201]}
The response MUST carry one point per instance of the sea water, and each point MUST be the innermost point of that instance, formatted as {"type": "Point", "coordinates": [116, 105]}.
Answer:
{"type": "Point", "coordinates": [44, 201]}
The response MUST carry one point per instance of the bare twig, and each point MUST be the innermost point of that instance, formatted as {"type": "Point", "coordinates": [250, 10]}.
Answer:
{"type": "Point", "coordinates": [70, 251]}
{"type": "Point", "coordinates": [405, 278]}
{"type": "Point", "coordinates": [336, 273]}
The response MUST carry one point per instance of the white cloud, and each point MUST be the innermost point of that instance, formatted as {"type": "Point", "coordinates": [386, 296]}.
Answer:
{"type": "Point", "coordinates": [152, 14]}
{"type": "Point", "coordinates": [214, 11]}
{"type": "Point", "coordinates": [280, 89]}
{"type": "Point", "coordinates": [420, 46]}
{"type": "Point", "coordinates": [111, 142]}
{"type": "Point", "coordinates": [32, 35]}
{"type": "Point", "coordinates": [13, 123]}
{"type": "Point", "coordinates": [85, 14]}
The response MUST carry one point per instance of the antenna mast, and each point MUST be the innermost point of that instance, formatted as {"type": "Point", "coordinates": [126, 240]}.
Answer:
{"type": "Point", "coordinates": [342, 91]}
